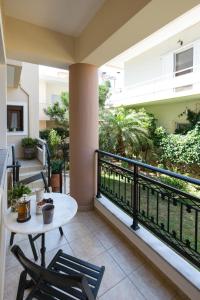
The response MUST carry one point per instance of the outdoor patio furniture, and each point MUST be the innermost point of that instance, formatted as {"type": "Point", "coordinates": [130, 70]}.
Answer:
{"type": "Point", "coordinates": [66, 277]}
{"type": "Point", "coordinates": [46, 188]}
{"type": "Point", "coordinates": [65, 209]}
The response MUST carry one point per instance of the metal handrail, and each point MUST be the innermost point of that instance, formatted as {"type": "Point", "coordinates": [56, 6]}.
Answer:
{"type": "Point", "coordinates": [152, 168]}
{"type": "Point", "coordinates": [169, 212]}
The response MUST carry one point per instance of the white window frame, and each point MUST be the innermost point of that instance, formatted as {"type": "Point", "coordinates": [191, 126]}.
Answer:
{"type": "Point", "coordinates": [187, 47]}
{"type": "Point", "coordinates": [25, 118]}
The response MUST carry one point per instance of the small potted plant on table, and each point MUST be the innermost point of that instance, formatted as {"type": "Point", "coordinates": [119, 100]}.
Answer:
{"type": "Point", "coordinates": [29, 146]}
{"type": "Point", "coordinates": [56, 169]}
{"type": "Point", "coordinates": [17, 192]}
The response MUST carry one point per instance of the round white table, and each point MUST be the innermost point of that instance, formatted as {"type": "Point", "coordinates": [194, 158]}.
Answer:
{"type": "Point", "coordinates": [65, 209]}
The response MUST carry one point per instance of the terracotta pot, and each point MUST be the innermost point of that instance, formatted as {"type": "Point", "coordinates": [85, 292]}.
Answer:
{"type": "Point", "coordinates": [55, 183]}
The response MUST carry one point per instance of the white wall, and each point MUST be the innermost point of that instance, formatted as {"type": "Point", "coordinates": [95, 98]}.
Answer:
{"type": "Point", "coordinates": [30, 83]}
{"type": "Point", "coordinates": [167, 113]}
{"type": "Point", "coordinates": [3, 96]}
{"type": "Point", "coordinates": [150, 64]}
{"type": "Point", "coordinates": [27, 93]}
{"type": "Point", "coordinates": [18, 97]}
{"type": "Point", "coordinates": [143, 68]}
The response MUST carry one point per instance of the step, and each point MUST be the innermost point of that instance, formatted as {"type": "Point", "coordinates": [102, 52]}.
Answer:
{"type": "Point", "coordinates": [28, 166]}
{"type": "Point", "coordinates": [33, 185]}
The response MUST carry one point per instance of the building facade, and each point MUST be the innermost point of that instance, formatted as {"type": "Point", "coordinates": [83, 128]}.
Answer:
{"type": "Point", "coordinates": [22, 103]}
{"type": "Point", "coordinates": [165, 80]}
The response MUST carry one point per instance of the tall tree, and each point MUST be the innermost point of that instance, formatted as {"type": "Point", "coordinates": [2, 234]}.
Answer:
{"type": "Point", "coordinates": [123, 132]}
{"type": "Point", "coordinates": [104, 93]}
{"type": "Point", "coordinates": [59, 111]}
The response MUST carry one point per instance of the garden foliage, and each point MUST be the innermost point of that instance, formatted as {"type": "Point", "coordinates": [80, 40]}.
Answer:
{"type": "Point", "coordinates": [177, 148]}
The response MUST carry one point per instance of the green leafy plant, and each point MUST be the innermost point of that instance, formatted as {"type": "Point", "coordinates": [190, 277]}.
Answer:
{"type": "Point", "coordinates": [62, 132]}
{"type": "Point", "coordinates": [18, 191]}
{"type": "Point", "coordinates": [174, 182]}
{"type": "Point", "coordinates": [125, 132]}
{"type": "Point", "coordinates": [59, 111]}
{"type": "Point", "coordinates": [29, 142]}
{"type": "Point", "coordinates": [56, 166]}
{"type": "Point", "coordinates": [179, 149]}
{"type": "Point", "coordinates": [54, 140]}
{"type": "Point", "coordinates": [104, 93]}
{"type": "Point", "coordinates": [192, 117]}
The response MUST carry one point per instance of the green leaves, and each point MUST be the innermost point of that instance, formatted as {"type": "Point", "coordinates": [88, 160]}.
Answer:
{"type": "Point", "coordinates": [124, 131]}
{"type": "Point", "coordinates": [59, 111]}
{"type": "Point", "coordinates": [18, 191]}
{"type": "Point", "coordinates": [104, 93]}
{"type": "Point", "coordinates": [54, 140]}
{"type": "Point", "coordinates": [29, 142]}
{"type": "Point", "coordinates": [179, 149]}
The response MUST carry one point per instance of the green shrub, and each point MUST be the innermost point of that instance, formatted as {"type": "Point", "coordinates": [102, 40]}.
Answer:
{"type": "Point", "coordinates": [179, 149]}
{"type": "Point", "coordinates": [18, 191]}
{"type": "Point", "coordinates": [44, 134]}
{"type": "Point", "coordinates": [56, 166]}
{"type": "Point", "coordinates": [62, 132]}
{"type": "Point", "coordinates": [174, 182]}
{"type": "Point", "coordinates": [29, 142]}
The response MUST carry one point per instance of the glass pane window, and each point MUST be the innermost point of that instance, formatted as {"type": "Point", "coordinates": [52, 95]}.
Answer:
{"type": "Point", "coordinates": [184, 62]}
{"type": "Point", "coordinates": [15, 120]}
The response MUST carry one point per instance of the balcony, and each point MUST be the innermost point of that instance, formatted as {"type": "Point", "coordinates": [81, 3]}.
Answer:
{"type": "Point", "coordinates": [174, 85]}
{"type": "Point", "coordinates": [93, 237]}
{"type": "Point", "coordinates": [128, 275]}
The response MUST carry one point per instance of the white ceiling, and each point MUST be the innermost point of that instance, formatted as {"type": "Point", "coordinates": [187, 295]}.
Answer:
{"type": "Point", "coordinates": [66, 16]}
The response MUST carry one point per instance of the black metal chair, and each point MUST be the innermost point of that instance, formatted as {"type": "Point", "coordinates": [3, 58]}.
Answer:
{"type": "Point", "coordinates": [32, 239]}
{"type": "Point", "coordinates": [65, 278]}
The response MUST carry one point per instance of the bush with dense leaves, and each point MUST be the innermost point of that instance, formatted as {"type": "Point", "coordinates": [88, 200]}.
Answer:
{"type": "Point", "coordinates": [62, 132]}
{"type": "Point", "coordinates": [179, 149]}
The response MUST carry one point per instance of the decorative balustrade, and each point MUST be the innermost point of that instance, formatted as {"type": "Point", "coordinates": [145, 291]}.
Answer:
{"type": "Point", "coordinates": [171, 214]}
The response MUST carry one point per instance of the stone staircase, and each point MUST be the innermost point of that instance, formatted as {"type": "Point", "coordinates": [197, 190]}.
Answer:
{"type": "Point", "coordinates": [30, 168]}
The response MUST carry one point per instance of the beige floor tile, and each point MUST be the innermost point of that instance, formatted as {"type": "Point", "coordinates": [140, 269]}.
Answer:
{"type": "Point", "coordinates": [124, 290]}
{"type": "Point", "coordinates": [127, 258]}
{"type": "Point", "coordinates": [108, 237]}
{"type": "Point", "coordinates": [92, 221]}
{"type": "Point", "coordinates": [86, 247]}
{"type": "Point", "coordinates": [53, 239]}
{"type": "Point", "coordinates": [113, 274]}
{"type": "Point", "coordinates": [152, 284]}
{"type": "Point", "coordinates": [75, 231]}
{"type": "Point", "coordinates": [25, 247]}
{"type": "Point", "coordinates": [11, 282]}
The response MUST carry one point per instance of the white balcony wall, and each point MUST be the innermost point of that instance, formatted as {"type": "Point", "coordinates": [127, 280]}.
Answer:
{"type": "Point", "coordinates": [150, 76]}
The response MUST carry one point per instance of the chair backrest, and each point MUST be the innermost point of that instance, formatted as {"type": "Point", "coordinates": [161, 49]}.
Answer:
{"type": "Point", "coordinates": [34, 178]}
{"type": "Point", "coordinates": [38, 273]}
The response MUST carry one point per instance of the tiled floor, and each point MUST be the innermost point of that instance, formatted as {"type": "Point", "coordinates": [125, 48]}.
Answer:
{"type": "Point", "coordinates": [127, 276]}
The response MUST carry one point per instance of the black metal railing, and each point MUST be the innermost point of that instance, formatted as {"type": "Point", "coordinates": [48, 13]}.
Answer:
{"type": "Point", "coordinates": [172, 214]}
{"type": "Point", "coordinates": [15, 166]}
{"type": "Point", "coordinates": [48, 163]}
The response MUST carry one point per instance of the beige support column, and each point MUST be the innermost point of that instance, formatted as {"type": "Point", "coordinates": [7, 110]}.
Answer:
{"type": "Point", "coordinates": [83, 113]}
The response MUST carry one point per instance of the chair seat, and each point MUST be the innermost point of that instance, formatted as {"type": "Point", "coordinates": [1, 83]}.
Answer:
{"type": "Point", "coordinates": [66, 264]}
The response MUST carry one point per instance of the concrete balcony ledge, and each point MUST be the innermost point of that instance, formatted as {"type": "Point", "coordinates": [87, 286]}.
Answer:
{"type": "Point", "coordinates": [176, 268]}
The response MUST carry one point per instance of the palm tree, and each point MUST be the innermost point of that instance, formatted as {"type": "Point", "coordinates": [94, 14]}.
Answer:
{"type": "Point", "coordinates": [122, 131]}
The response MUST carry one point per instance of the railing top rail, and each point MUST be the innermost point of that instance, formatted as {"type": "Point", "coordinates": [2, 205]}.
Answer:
{"type": "Point", "coordinates": [152, 168]}
{"type": "Point", "coordinates": [41, 141]}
